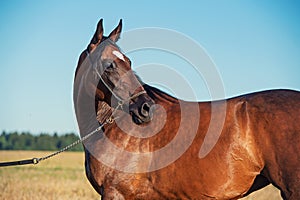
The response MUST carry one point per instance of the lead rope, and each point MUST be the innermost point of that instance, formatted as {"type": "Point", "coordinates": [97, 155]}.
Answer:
{"type": "Point", "coordinates": [81, 140]}
{"type": "Point", "coordinates": [109, 120]}
{"type": "Point", "coordinates": [37, 160]}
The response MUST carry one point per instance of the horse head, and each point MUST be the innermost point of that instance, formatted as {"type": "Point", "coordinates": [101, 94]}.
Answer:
{"type": "Point", "coordinates": [107, 76]}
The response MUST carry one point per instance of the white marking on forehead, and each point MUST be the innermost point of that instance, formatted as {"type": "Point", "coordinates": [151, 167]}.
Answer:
{"type": "Point", "coordinates": [119, 55]}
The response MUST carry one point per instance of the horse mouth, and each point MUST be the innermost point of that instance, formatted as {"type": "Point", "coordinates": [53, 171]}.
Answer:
{"type": "Point", "coordinates": [136, 119]}
{"type": "Point", "coordinates": [140, 120]}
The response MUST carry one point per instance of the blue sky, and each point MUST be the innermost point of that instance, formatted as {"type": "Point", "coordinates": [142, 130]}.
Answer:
{"type": "Point", "coordinates": [254, 44]}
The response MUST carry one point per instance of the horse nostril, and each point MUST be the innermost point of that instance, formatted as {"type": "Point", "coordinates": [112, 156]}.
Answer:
{"type": "Point", "coordinates": [145, 110]}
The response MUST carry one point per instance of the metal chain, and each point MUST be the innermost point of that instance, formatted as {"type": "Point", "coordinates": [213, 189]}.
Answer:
{"type": "Point", "coordinates": [37, 160]}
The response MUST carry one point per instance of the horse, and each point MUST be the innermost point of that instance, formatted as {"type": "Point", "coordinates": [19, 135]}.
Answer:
{"type": "Point", "coordinates": [258, 143]}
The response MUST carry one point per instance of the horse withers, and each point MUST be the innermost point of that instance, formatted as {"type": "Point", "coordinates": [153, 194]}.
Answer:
{"type": "Point", "coordinates": [258, 144]}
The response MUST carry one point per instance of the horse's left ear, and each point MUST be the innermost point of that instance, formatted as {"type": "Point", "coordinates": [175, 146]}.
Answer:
{"type": "Point", "coordinates": [115, 34]}
{"type": "Point", "coordinates": [97, 36]}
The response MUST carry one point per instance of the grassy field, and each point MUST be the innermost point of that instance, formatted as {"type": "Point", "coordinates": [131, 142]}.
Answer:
{"type": "Point", "coordinates": [61, 177]}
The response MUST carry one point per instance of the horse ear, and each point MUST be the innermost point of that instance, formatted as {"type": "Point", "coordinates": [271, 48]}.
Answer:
{"type": "Point", "coordinates": [98, 34]}
{"type": "Point", "coordinates": [115, 34]}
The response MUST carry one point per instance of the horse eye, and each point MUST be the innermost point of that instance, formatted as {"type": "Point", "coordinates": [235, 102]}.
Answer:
{"type": "Point", "coordinates": [109, 66]}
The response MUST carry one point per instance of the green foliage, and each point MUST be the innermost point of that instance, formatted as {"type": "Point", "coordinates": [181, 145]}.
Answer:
{"type": "Point", "coordinates": [43, 141]}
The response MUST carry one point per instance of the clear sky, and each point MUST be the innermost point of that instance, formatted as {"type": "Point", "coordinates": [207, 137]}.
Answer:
{"type": "Point", "coordinates": [254, 44]}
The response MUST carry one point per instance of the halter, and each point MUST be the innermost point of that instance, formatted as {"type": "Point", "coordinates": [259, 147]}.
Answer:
{"type": "Point", "coordinates": [121, 101]}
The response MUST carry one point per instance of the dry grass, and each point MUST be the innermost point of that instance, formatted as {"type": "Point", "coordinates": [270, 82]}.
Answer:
{"type": "Point", "coordinates": [62, 177]}
{"type": "Point", "coordinates": [267, 193]}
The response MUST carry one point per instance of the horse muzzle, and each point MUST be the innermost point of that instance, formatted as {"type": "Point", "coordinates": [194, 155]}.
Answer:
{"type": "Point", "coordinates": [141, 109]}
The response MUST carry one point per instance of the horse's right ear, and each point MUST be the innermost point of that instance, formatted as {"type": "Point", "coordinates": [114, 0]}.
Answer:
{"type": "Point", "coordinates": [97, 36]}
{"type": "Point", "coordinates": [115, 34]}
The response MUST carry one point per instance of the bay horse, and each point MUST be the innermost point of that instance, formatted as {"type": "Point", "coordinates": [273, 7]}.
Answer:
{"type": "Point", "coordinates": [259, 141]}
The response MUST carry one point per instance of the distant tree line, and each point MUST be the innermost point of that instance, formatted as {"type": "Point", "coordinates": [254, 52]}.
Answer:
{"type": "Point", "coordinates": [43, 141]}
